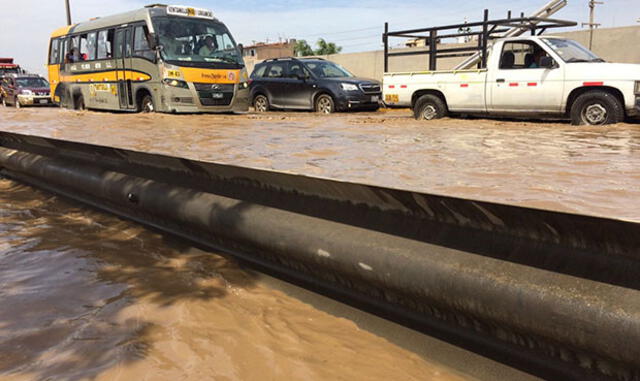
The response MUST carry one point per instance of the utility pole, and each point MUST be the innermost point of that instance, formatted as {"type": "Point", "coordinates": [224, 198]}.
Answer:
{"type": "Point", "coordinates": [592, 25]}
{"type": "Point", "coordinates": [66, 3]}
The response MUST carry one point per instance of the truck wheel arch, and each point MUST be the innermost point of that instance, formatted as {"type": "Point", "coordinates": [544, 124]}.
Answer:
{"type": "Point", "coordinates": [575, 93]}
{"type": "Point", "coordinates": [419, 93]}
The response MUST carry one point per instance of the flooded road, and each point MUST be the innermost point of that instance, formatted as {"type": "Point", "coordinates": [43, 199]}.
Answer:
{"type": "Point", "coordinates": [590, 170]}
{"type": "Point", "coordinates": [87, 296]}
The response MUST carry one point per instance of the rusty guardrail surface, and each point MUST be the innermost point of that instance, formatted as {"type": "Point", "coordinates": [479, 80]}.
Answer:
{"type": "Point", "coordinates": [553, 293]}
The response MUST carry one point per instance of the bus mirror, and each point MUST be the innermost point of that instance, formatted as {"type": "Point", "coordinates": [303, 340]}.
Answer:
{"type": "Point", "coordinates": [153, 41]}
{"type": "Point", "coordinates": [241, 49]}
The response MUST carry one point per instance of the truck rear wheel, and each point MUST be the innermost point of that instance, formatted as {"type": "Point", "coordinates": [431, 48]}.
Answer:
{"type": "Point", "coordinates": [596, 108]}
{"type": "Point", "coordinates": [429, 107]}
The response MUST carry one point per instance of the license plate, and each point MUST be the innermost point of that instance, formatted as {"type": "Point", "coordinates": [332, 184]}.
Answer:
{"type": "Point", "coordinates": [391, 98]}
{"type": "Point", "coordinates": [43, 101]}
{"type": "Point", "coordinates": [375, 98]}
{"type": "Point", "coordinates": [217, 95]}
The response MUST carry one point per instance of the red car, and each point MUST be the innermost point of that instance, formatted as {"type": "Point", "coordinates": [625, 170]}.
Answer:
{"type": "Point", "coordinates": [25, 90]}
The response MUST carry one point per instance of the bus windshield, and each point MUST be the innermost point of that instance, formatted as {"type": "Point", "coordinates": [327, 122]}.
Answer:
{"type": "Point", "coordinates": [197, 42]}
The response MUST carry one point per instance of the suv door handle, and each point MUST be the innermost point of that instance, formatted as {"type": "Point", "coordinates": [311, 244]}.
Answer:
{"type": "Point", "coordinates": [500, 80]}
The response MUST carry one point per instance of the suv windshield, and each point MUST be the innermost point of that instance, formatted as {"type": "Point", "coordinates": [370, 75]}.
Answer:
{"type": "Point", "coordinates": [199, 42]}
{"type": "Point", "coordinates": [326, 69]}
{"type": "Point", "coordinates": [571, 51]}
{"type": "Point", "coordinates": [31, 82]}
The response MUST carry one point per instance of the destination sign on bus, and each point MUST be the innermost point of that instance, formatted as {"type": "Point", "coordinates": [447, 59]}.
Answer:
{"type": "Point", "coordinates": [178, 10]}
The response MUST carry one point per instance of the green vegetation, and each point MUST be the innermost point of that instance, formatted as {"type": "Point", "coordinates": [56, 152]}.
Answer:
{"type": "Point", "coordinates": [302, 48]}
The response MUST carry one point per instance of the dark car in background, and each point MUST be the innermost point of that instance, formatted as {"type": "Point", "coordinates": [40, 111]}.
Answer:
{"type": "Point", "coordinates": [25, 90]}
{"type": "Point", "coordinates": [311, 84]}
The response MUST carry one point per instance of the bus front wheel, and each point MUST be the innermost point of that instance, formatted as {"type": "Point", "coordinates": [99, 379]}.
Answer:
{"type": "Point", "coordinates": [146, 104]}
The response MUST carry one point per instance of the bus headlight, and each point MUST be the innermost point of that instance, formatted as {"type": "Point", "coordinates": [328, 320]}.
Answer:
{"type": "Point", "coordinates": [637, 88]}
{"type": "Point", "coordinates": [175, 83]}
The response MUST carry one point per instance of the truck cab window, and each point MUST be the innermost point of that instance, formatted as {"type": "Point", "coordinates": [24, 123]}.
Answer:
{"type": "Point", "coordinates": [521, 55]}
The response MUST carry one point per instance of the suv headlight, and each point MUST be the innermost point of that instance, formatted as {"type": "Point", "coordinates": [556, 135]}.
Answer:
{"type": "Point", "coordinates": [26, 92]}
{"type": "Point", "coordinates": [349, 87]}
{"type": "Point", "coordinates": [637, 88]}
{"type": "Point", "coordinates": [175, 83]}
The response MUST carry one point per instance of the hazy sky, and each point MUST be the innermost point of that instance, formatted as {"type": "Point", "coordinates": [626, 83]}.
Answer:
{"type": "Point", "coordinates": [355, 25]}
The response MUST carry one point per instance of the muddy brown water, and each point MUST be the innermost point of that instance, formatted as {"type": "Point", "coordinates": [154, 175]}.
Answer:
{"type": "Point", "coordinates": [86, 295]}
{"type": "Point", "coordinates": [590, 170]}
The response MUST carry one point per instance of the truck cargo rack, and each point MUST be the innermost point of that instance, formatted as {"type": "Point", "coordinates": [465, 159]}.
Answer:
{"type": "Point", "coordinates": [483, 31]}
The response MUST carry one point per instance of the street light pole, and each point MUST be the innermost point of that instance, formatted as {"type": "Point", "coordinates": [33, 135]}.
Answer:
{"type": "Point", "coordinates": [66, 2]}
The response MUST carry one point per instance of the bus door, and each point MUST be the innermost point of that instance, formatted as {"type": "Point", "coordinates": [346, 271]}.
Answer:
{"type": "Point", "coordinates": [123, 52]}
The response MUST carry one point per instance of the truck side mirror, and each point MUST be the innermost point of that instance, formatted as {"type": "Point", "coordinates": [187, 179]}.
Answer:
{"type": "Point", "coordinates": [547, 62]}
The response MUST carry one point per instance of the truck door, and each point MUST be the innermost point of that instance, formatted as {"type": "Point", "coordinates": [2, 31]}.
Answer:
{"type": "Point", "coordinates": [518, 84]}
{"type": "Point", "coordinates": [122, 54]}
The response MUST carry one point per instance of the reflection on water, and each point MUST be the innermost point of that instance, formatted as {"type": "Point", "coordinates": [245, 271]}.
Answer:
{"type": "Point", "coordinates": [85, 295]}
{"type": "Point", "coordinates": [590, 170]}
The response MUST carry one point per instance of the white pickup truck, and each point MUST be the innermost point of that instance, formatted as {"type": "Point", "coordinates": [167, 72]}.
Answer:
{"type": "Point", "coordinates": [537, 76]}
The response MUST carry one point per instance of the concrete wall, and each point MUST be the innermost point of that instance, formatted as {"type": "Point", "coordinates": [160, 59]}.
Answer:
{"type": "Point", "coordinates": [612, 44]}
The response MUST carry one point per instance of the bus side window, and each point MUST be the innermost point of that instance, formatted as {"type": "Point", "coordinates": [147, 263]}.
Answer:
{"type": "Point", "coordinates": [83, 47]}
{"type": "Point", "coordinates": [105, 44]}
{"type": "Point", "coordinates": [91, 46]}
{"type": "Point", "coordinates": [141, 43]}
{"type": "Point", "coordinates": [54, 52]}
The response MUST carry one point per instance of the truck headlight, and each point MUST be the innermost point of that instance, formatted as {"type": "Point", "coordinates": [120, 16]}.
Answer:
{"type": "Point", "coordinates": [349, 87]}
{"type": "Point", "coordinates": [637, 88]}
{"type": "Point", "coordinates": [175, 83]}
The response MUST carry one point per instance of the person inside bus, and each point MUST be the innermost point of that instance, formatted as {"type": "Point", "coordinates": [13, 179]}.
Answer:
{"type": "Point", "coordinates": [209, 47]}
{"type": "Point", "coordinates": [73, 56]}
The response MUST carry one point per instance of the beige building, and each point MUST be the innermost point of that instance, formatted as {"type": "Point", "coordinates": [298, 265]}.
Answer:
{"type": "Point", "coordinates": [264, 51]}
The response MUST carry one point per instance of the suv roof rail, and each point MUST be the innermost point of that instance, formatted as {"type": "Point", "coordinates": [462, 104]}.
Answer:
{"type": "Point", "coordinates": [293, 58]}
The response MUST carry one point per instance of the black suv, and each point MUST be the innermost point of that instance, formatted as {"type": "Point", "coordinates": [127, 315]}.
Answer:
{"type": "Point", "coordinates": [311, 84]}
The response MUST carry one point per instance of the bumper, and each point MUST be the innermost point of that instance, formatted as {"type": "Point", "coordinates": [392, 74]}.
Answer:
{"type": "Point", "coordinates": [187, 101]}
{"type": "Point", "coordinates": [358, 101]}
{"type": "Point", "coordinates": [34, 100]}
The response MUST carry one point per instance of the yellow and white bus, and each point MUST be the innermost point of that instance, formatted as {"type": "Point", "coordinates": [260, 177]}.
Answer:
{"type": "Point", "coordinates": [160, 58]}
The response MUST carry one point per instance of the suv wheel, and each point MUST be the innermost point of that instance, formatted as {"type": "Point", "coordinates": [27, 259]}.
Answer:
{"type": "Point", "coordinates": [324, 104]}
{"type": "Point", "coordinates": [261, 103]}
{"type": "Point", "coordinates": [596, 108]}
{"type": "Point", "coordinates": [429, 107]}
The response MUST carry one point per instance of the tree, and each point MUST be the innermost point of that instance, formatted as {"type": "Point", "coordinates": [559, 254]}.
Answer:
{"type": "Point", "coordinates": [302, 49]}
{"type": "Point", "coordinates": [326, 48]}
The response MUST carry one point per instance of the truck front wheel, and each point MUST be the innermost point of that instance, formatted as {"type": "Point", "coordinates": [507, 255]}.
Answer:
{"type": "Point", "coordinates": [596, 108]}
{"type": "Point", "coordinates": [429, 107]}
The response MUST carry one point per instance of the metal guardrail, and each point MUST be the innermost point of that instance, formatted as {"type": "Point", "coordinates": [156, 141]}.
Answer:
{"type": "Point", "coordinates": [555, 294]}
